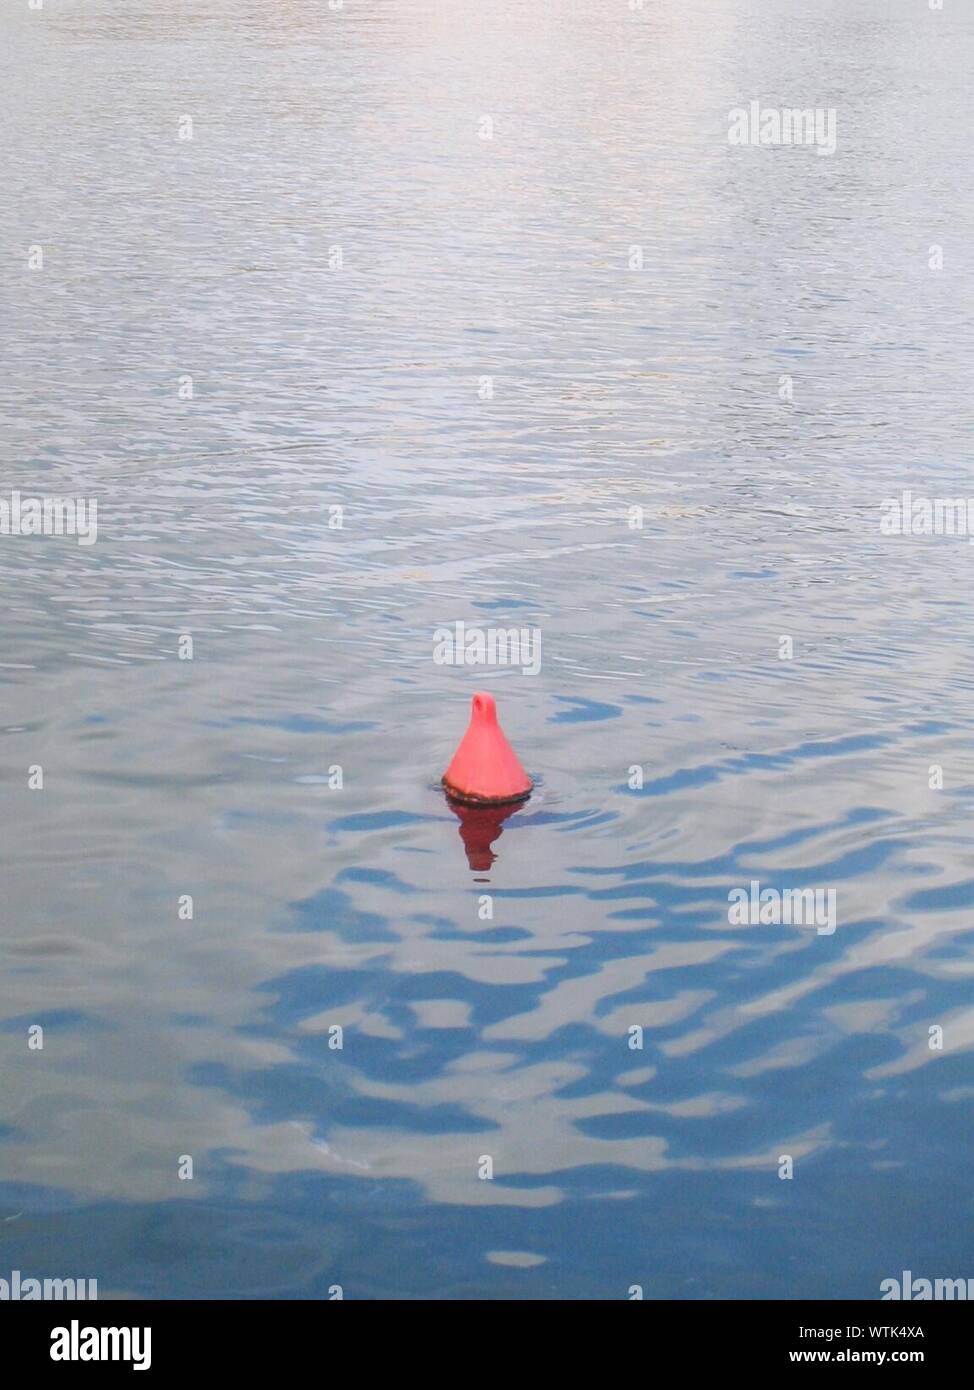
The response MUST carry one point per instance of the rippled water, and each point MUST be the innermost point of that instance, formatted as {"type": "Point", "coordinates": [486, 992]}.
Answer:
{"type": "Point", "coordinates": [361, 386]}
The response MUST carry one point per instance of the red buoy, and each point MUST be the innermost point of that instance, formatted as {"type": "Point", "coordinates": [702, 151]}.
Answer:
{"type": "Point", "coordinates": [485, 768]}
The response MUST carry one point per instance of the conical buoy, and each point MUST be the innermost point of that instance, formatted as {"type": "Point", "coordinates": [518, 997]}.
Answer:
{"type": "Point", "coordinates": [485, 769]}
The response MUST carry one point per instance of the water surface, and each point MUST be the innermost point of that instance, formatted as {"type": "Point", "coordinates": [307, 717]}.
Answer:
{"type": "Point", "coordinates": [361, 385]}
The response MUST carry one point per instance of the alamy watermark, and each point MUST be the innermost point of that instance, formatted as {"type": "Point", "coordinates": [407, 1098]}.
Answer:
{"type": "Point", "coordinates": [462, 645]}
{"type": "Point", "coordinates": [912, 1290]}
{"type": "Point", "coordinates": [21, 1289]}
{"type": "Point", "coordinates": [755, 906]}
{"type": "Point", "coordinates": [907, 515]}
{"type": "Point", "coordinates": [50, 516]}
{"type": "Point", "coordinates": [755, 124]}
{"type": "Point", "coordinates": [77, 1343]}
